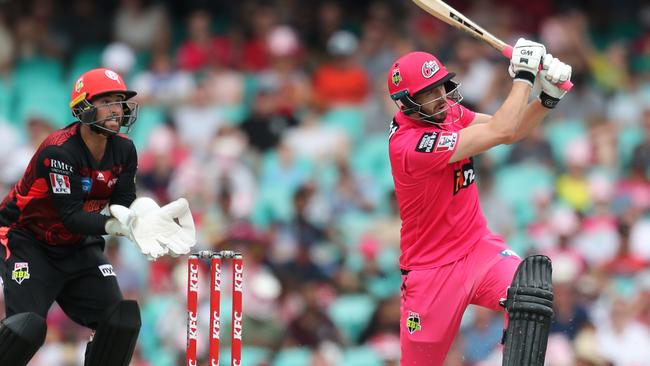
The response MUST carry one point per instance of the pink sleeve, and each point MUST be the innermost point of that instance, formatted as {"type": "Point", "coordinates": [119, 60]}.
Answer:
{"type": "Point", "coordinates": [430, 151]}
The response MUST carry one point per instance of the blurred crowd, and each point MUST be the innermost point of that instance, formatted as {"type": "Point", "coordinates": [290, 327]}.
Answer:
{"type": "Point", "coordinates": [271, 118]}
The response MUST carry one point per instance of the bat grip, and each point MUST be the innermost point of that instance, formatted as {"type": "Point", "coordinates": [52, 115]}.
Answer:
{"type": "Point", "coordinates": [507, 52]}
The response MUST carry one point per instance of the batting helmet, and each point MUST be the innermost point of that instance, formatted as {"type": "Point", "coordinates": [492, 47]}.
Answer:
{"type": "Point", "coordinates": [418, 72]}
{"type": "Point", "coordinates": [96, 83]}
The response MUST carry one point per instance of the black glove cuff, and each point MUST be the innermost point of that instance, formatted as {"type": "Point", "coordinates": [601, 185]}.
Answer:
{"type": "Point", "coordinates": [548, 101]}
{"type": "Point", "coordinates": [525, 75]}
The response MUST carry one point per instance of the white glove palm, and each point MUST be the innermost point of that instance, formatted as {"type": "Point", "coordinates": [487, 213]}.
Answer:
{"type": "Point", "coordinates": [526, 58]}
{"type": "Point", "coordinates": [172, 226]}
{"type": "Point", "coordinates": [153, 228]}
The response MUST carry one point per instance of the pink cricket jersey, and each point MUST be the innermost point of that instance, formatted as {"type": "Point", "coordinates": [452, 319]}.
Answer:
{"type": "Point", "coordinates": [438, 201]}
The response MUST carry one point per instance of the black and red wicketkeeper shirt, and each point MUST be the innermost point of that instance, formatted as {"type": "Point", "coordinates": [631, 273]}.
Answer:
{"type": "Point", "coordinates": [59, 198]}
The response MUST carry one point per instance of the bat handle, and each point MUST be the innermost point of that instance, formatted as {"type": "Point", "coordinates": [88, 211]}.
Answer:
{"type": "Point", "coordinates": [507, 52]}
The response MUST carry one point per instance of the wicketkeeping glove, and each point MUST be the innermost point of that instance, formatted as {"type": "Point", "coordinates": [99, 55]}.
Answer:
{"type": "Point", "coordinates": [153, 228]}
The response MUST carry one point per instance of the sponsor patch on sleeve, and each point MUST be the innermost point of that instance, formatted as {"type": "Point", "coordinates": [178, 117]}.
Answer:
{"type": "Point", "coordinates": [446, 141]}
{"type": "Point", "coordinates": [60, 183]}
{"type": "Point", "coordinates": [427, 142]}
{"type": "Point", "coordinates": [57, 166]}
{"type": "Point", "coordinates": [106, 270]}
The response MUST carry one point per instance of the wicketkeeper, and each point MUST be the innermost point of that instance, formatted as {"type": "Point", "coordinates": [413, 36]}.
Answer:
{"type": "Point", "coordinates": [52, 226]}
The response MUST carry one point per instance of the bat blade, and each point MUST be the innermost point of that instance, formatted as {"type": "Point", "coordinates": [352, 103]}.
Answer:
{"type": "Point", "coordinates": [451, 16]}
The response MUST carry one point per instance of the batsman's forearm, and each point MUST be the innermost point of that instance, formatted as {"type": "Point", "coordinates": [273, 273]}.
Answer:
{"type": "Point", "coordinates": [508, 118]}
{"type": "Point", "coordinates": [533, 115]}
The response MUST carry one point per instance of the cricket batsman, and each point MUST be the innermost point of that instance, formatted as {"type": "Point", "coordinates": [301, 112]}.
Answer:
{"type": "Point", "coordinates": [449, 258]}
{"type": "Point", "coordinates": [52, 224]}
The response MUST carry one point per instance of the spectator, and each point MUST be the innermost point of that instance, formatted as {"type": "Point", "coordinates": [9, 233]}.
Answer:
{"type": "Point", "coordinates": [202, 46]}
{"type": "Point", "coordinates": [163, 84]}
{"type": "Point", "coordinates": [198, 121]}
{"type": "Point", "coordinates": [535, 148]}
{"type": "Point", "coordinates": [283, 73]}
{"type": "Point", "coordinates": [482, 336]}
{"type": "Point", "coordinates": [266, 125]}
{"type": "Point", "coordinates": [341, 81]}
{"type": "Point", "coordinates": [142, 25]}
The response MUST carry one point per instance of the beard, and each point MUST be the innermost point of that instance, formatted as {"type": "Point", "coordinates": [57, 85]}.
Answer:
{"type": "Point", "coordinates": [102, 129]}
{"type": "Point", "coordinates": [438, 117]}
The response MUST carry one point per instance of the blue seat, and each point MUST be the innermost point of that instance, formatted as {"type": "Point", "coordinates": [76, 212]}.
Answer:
{"type": "Point", "coordinates": [352, 226]}
{"type": "Point", "coordinates": [628, 139]}
{"type": "Point", "coordinates": [294, 356]}
{"type": "Point", "coordinates": [561, 133]}
{"type": "Point", "coordinates": [361, 356]}
{"type": "Point", "coordinates": [6, 97]}
{"type": "Point", "coordinates": [251, 356]}
{"type": "Point", "coordinates": [48, 99]}
{"type": "Point", "coordinates": [31, 71]}
{"type": "Point", "coordinates": [277, 185]}
{"type": "Point", "coordinates": [351, 314]}
{"type": "Point", "coordinates": [370, 157]}
{"type": "Point", "coordinates": [518, 183]}
{"type": "Point", "coordinates": [499, 154]}
{"type": "Point", "coordinates": [349, 119]}
{"type": "Point", "coordinates": [85, 59]}
{"type": "Point", "coordinates": [149, 117]}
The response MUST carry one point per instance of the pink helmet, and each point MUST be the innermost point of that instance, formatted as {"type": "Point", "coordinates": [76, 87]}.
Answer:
{"type": "Point", "coordinates": [415, 72]}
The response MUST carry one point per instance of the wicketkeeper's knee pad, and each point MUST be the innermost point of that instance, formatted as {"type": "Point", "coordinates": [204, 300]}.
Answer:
{"type": "Point", "coordinates": [21, 335]}
{"type": "Point", "coordinates": [116, 336]}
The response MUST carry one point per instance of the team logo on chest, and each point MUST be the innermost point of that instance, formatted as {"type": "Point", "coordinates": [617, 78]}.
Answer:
{"type": "Point", "coordinates": [464, 176]}
{"type": "Point", "coordinates": [413, 323]}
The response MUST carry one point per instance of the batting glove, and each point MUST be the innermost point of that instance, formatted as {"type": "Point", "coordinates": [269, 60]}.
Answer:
{"type": "Point", "coordinates": [554, 72]}
{"type": "Point", "coordinates": [526, 58]}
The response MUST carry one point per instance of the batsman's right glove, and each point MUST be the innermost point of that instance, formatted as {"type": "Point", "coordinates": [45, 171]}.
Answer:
{"type": "Point", "coordinates": [553, 73]}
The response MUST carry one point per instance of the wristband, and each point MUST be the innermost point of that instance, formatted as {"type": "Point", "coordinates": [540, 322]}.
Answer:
{"type": "Point", "coordinates": [526, 76]}
{"type": "Point", "coordinates": [547, 100]}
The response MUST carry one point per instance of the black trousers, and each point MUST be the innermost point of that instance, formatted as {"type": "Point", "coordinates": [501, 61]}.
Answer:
{"type": "Point", "coordinates": [80, 279]}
